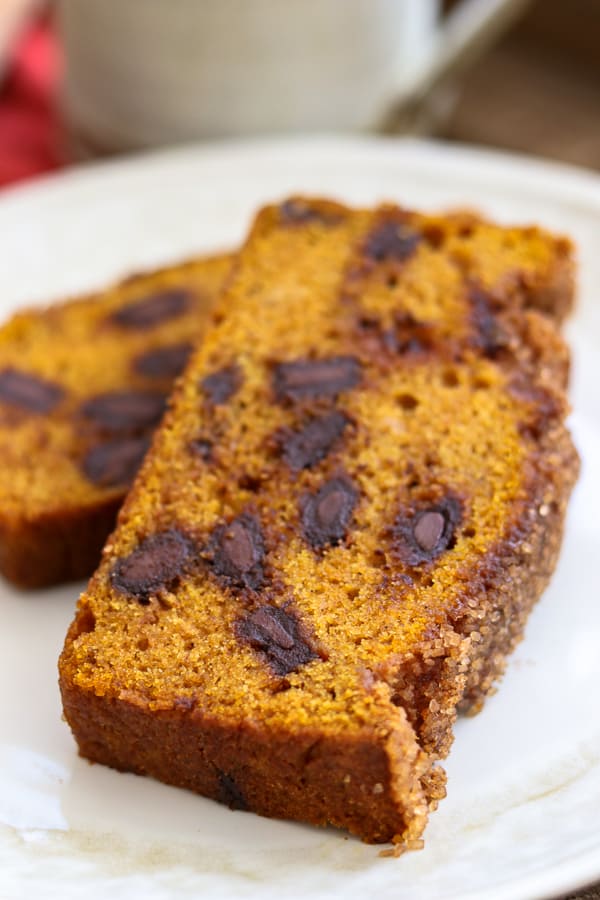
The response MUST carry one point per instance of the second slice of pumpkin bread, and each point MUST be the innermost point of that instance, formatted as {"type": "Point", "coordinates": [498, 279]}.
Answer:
{"type": "Point", "coordinates": [83, 384]}
{"type": "Point", "coordinates": [353, 503]}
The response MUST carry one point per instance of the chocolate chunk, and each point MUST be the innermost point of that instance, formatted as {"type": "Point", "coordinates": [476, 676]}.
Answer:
{"type": "Point", "coordinates": [249, 482]}
{"type": "Point", "coordinates": [311, 443]}
{"type": "Point", "coordinates": [308, 378]}
{"type": "Point", "coordinates": [114, 463]}
{"type": "Point", "coordinates": [407, 337]}
{"type": "Point", "coordinates": [153, 310]}
{"type": "Point", "coordinates": [300, 212]}
{"type": "Point", "coordinates": [490, 337]}
{"type": "Point", "coordinates": [154, 566]}
{"type": "Point", "coordinates": [326, 514]}
{"type": "Point", "coordinates": [29, 392]}
{"type": "Point", "coordinates": [220, 386]}
{"type": "Point", "coordinates": [279, 635]}
{"type": "Point", "coordinates": [125, 410]}
{"type": "Point", "coordinates": [378, 341]}
{"type": "Point", "coordinates": [237, 550]}
{"type": "Point", "coordinates": [391, 240]}
{"type": "Point", "coordinates": [202, 448]}
{"type": "Point", "coordinates": [425, 535]}
{"type": "Point", "coordinates": [163, 362]}
{"type": "Point", "coordinates": [412, 336]}
{"type": "Point", "coordinates": [428, 529]}
{"type": "Point", "coordinates": [230, 794]}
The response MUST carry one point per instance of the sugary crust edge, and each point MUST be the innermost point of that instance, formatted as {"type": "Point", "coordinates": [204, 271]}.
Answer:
{"type": "Point", "coordinates": [541, 542]}
{"type": "Point", "coordinates": [461, 665]}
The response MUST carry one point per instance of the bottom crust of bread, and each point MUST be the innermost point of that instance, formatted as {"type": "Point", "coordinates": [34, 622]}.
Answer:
{"type": "Point", "coordinates": [56, 548]}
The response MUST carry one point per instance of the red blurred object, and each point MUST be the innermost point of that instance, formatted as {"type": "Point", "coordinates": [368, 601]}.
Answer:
{"type": "Point", "coordinates": [30, 139]}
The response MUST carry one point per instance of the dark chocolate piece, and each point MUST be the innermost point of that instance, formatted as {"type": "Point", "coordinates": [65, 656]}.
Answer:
{"type": "Point", "coordinates": [237, 550]}
{"type": "Point", "coordinates": [279, 635]}
{"type": "Point", "coordinates": [163, 362]}
{"type": "Point", "coordinates": [428, 529]}
{"type": "Point", "coordinates": [410, 335]}
{"type": "Point", "coordinates": [155, 565]}
{"type": "Point", "coordinates": [202, 448]}
{"type": "Point", "coordinates": [490, 337]}
{"type": "Point", "coordinates": [220, 386]}
{"type": "Point", "coordinates": [125, 410]}
{"type": "Point", "coordinates": [327, 514]}
{"type": "Point", "coordinates": [309, 444]}
{"type": "Point", "coordinates": [153, 310]}
{"type": "Point", "coordinates": [312, 378]}
{"type": "Point", "coordinates": [29, 391]}
{"type": "Point", "coordinates": [391, 240]}
{"type": "Point", "coordinates": [230, 794]}
{"type": "Point", "coordinates": [407, 336]}
{"type": "Point", "coordinates": [115, 463]}
{"type": "Point", "coordinates": [426, 534]}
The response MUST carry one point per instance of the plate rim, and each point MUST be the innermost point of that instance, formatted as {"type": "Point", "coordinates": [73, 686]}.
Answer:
{"type": "Point", "coordinates": [582, 184]}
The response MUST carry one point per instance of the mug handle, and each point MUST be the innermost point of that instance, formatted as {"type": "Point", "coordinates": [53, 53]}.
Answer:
{"type": "Point", "coordinates": [468, 31]}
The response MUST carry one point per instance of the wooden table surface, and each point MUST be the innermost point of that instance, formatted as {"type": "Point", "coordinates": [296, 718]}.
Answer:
{"type": "Point", "coordinates": [538, 90]}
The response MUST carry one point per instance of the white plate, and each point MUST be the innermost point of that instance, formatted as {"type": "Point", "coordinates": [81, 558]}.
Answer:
{"type": "Point", "coordinates": [521, 818]}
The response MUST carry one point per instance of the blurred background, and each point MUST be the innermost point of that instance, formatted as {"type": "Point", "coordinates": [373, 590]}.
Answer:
{"type": "Point", "coordinates": [531, 85]}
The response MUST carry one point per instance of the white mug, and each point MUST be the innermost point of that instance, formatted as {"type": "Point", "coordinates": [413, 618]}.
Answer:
{"type": "Point", "coordinates": [141, 73]}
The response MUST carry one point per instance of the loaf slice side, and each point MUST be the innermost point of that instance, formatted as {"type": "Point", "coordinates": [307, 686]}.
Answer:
{"type": "Point", "coordinates": [355, 499]}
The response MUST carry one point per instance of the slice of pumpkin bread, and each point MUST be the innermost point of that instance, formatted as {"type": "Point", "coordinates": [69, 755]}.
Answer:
{"type": "Point", "coordinates": [82, 385]}
{"type": "Point", "coordinates": [356, 497]}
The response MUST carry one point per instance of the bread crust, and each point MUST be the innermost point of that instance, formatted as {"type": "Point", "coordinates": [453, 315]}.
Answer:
{"type": "Point", "coordinates": [304, 776]}
{"type": "Point", "coordinates": [62, 545]}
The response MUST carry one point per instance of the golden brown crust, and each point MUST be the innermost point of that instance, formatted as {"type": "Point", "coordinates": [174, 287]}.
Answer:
{"type": "Point", "coordinates": [64, 545]}
{"type": "Point", "coordinates": [53, 518]}
{"type": "Point", "coordinates": [489, 619]}
{"type": "Point", "coordinates": [353, 556]}
{"type": "Point", "coordinates": [305, 776]}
